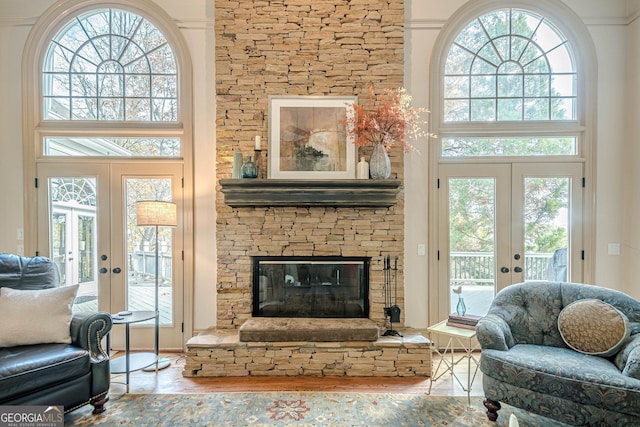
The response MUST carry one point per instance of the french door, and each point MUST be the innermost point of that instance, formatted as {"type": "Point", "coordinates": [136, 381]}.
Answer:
{"type": "Point", "coordinates": [501, 224]}
{"type": "Point", "coordinates": [87, 225]}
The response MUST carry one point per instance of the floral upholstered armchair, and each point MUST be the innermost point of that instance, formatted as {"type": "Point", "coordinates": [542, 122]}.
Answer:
{"type": "Point", "coordinates": [566, 351]}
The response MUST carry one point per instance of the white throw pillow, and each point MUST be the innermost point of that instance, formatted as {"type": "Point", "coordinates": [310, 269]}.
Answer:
{"type": "Point", "coordinates": [36, 316]}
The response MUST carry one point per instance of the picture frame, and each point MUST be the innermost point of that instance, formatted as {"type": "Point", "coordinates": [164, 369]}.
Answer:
{"type": "Point", "coordinates": [308, 138]}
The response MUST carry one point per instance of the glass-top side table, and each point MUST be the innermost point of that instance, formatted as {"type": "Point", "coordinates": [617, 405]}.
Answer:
{"type": "Point", "coordinates": [131, 362]}
{"type": "Point", "coordinates": [462, 337]}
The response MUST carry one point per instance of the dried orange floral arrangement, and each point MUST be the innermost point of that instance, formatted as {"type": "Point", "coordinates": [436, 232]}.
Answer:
{"type": "Point", "coordinates": [390, 120]}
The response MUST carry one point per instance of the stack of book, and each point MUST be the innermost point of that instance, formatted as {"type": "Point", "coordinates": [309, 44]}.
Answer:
{"type": "Point", "coordinates": [468, 321]}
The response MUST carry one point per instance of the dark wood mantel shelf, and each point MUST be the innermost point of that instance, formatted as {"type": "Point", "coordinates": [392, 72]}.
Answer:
{"type": "Point", "coordinates": [285, 192]}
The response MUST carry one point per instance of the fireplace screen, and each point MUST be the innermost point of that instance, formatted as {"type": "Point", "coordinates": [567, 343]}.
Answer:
{"type": "Point", "coordinates": [311, 287]}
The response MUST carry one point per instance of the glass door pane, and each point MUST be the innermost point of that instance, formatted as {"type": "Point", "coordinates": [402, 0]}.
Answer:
{"type": "Point", "coordinates": [474, 215]}
{"type": "Point", "coordinates": [141, 251]}
{"type": "Point", "coordinates": [546, 228]}
{"type": "Point", "coordinates": [72, 227]}
{"type": "Point", "coordinates": [472, 242]}
{"type": "Point", "coordinates": [547, 207]}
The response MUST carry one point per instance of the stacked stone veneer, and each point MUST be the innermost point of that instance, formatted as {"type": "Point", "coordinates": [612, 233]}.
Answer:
{"type": "Point", "coordinates": [220, 355]}
{"type": "Point", "coordinates": [300, 47]}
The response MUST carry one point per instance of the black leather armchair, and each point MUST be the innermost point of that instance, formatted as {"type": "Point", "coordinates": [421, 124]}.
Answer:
{"type": "Point", "coordinates": [71, 375]}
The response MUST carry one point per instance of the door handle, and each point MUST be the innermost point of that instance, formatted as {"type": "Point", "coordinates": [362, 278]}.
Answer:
{"type": "Point", "coordinates": [103, 257]}
{"type": "Point", "coordinates": [103, 270]}
{"type": "Point", "coordinates": [516, 257]}
{"type": "Point", "coordinates": [517, 269]}
{"type": "Point", "coordinates": [504, 270]}
{"type": "Point", "coordinates": [117, 270]}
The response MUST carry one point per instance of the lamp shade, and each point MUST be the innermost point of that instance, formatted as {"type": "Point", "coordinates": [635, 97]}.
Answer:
{"type": "Point", "coordinates": [156, 213]}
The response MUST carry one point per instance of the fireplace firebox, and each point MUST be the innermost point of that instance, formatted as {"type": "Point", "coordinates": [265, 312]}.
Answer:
{"type": "Point", "coordinates": [316, 286]}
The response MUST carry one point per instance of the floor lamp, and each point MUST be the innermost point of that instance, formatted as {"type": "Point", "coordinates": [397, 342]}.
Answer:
{"type": "Point", "coordinates": [156, 214]}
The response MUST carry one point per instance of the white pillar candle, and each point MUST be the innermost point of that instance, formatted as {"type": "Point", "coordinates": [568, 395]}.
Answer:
{"type": "Point", "coordinates": [257, 147]}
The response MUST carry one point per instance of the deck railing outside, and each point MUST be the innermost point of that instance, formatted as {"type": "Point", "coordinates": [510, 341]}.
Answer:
{"type": "Point", "coordinates": [478, 268]}
{"type": "Point", "coordinates": [143, 264]}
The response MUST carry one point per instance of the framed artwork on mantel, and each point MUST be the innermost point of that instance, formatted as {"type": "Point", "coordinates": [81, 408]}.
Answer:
{"type": "Point", "coordinates": [308, 138]}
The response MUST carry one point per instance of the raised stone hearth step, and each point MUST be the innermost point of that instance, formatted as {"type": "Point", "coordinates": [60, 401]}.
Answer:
{"type": "Point", "coordinates": [219, 353]}
{"type": "Point", "coordinates": [279, 329]}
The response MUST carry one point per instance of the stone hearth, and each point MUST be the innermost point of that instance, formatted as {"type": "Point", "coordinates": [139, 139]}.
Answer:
{"type": "Point", "coordinates": [308, 329]}
{"type": "Point", "coordinates": [220, 353]}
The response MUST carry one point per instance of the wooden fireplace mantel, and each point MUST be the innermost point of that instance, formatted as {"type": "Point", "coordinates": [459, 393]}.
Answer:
{"type": "Point", "coordinates": [285, 192]}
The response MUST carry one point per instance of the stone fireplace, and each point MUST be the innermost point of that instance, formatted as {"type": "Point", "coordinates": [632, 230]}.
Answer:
{"type": "Point", "coordinates": [296, 47]}
{"type": "Point", "coordinates": [333, 48]}
{"type": "Point", "coordinates": [316, 287]}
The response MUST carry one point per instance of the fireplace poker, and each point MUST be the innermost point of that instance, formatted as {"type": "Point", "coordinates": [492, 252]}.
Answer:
{"type": "Point", "coordinates": [392, 311]}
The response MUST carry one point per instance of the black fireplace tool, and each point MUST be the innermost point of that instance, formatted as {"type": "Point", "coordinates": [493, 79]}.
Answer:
{"type": "Point", "coordinates": [391, 312]}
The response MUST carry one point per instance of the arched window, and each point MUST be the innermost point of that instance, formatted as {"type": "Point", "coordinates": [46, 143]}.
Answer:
{"type": "Point", "coordinates": [507, 65]}
{"type": "Point", "coordinates": [110, 65]}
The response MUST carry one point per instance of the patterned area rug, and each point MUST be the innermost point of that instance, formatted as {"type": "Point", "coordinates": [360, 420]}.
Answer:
{"type": "Point", "coordinates": [296, 409]}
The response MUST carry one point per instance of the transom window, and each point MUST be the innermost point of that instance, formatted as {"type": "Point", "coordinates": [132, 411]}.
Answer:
{"type": "Point", "coordinates": [509, 65]}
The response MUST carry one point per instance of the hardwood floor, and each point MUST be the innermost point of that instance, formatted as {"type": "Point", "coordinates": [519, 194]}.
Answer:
{"type": "Point", "coordinates": [170, 380]}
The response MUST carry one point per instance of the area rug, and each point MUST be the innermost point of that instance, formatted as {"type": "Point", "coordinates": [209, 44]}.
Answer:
{"type": "Point", "coordinates": [296, 409]}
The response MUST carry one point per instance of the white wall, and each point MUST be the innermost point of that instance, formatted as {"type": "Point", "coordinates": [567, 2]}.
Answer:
{"type": "Point", "coordinates": [631, 190]}
{"type": "Point", "coordinates": [617, 144]}
{"type": "Point", "coordinates": [13, 33]}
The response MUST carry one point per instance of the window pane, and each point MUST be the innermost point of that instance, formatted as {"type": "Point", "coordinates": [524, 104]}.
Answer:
{"type": "Point", "coordinates": [56, 108]}
{"type": "Point", "coordinates": [489, 54]}
{"type": "Point", "coordinates": [518, 45]}
{"type": "Point", "coordinates": [561, 60]}
{"type": "Point", "coordinates": [510, 85]}
{"type": "Point", "coordinates": [536, 85]}
{"type": "Point", "coordinates": [563, 108]}
{"type": "Point", "coordinates": [483, 110]}
{"type": "Point", "coordinates": [536, 109]}
{"type": "Point", "coordinates": [456, 86]}
{"type": "Point", "coordinates": [483, 86]}
{"type": "Point", "coordinates": [456, 110]}
{"type": "Point", "coordinates": [563, 85]}
{"type": "Point", "coordinates": [458, 61]}
{"type": "Point", "coordinates": [509, 109]}
{"type": "Point", "coordinates": [71, 146]}
{"type": "Point", "coordinates": [480, 66]}
{"type": "Point", "coordinates": [472, 37]}
{"type": "Point", "coordinates": [496, 23]}
{"type": "Point", "coordinates": [531, 146]}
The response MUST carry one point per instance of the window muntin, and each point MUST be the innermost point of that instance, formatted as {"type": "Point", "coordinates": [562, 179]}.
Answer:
{"type": "Point", "coordinates": [510, 65]}
{"type": "Point", "coordinates": [110, 65]}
